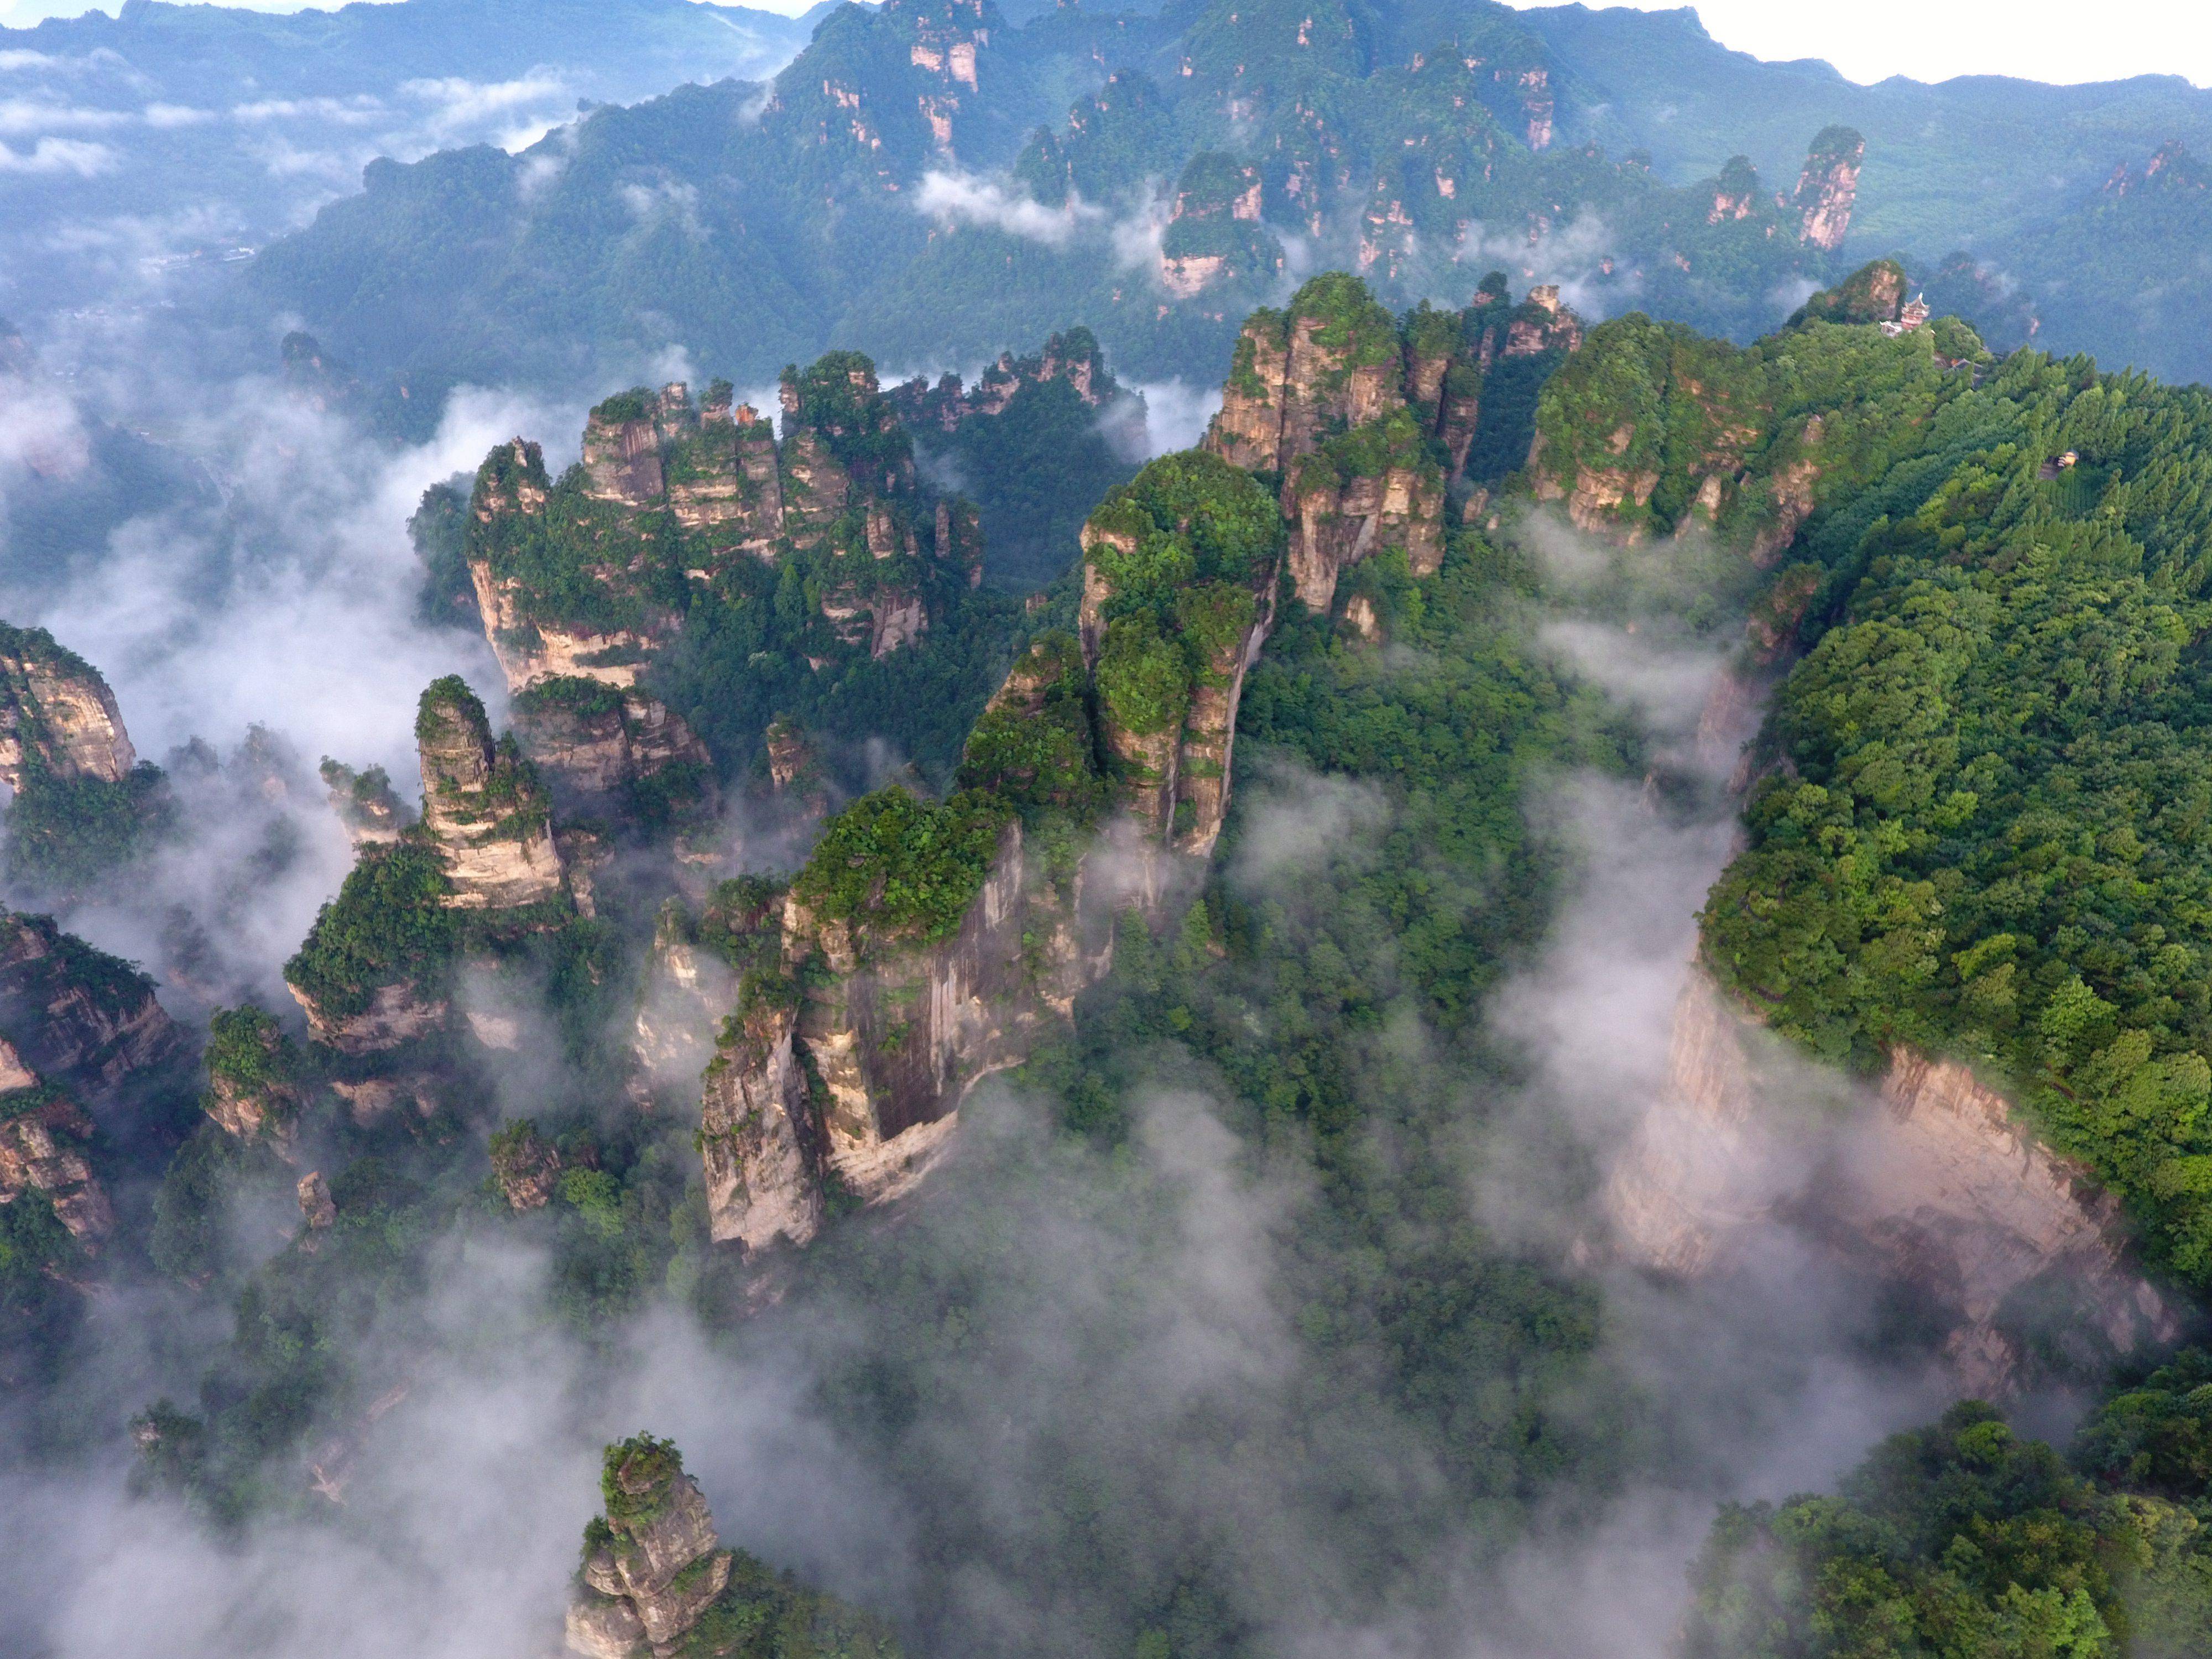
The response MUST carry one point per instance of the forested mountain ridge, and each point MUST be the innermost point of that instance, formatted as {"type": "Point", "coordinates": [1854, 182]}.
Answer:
{"type": "Point", "coordinates": [1150, 177]}
{"type": "Point", "coordinates": [1343, 609]}
{"type": "Point", "coordinates": [146, 144]}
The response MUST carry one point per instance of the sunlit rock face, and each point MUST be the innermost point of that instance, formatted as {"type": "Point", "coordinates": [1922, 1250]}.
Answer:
{"type": "Point", "coordinates": [483, 806]}
{"type": "Point", "coordinates": [56, 716]}
{"type": "Point", "coordinates": [1934, 1190]}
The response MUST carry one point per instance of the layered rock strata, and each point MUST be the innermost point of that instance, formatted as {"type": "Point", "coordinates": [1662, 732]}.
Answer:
{"type": "Point", "coordinates": [653, 1565]}
{"type": "Point", "coordinates": [76, 1013]}
{"type": "Point", "coordinates": [483, 807]}
{"type": "Point", "coordinates": [595, 743]}
{"type": "Point", "coordinates": [1340, 403]}
{"type": "Point", "coordinates": [57, 718]}
{"type": "Point", "coordinates": [45, 1143]}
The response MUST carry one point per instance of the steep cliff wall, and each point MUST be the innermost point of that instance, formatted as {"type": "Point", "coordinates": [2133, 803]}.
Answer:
{"type": "Point", "coordinates": [483, 807]}
{"type": "Point", "coordinates": [1341, 403]}
{"type": "Point", "coordinates": [1936, 1190]}
{"type": "Point", "coordinates": [56, 714]}
{"type": "Point", "coordinates": [849, 1065]}
{"type": "Point", "coordinates": [1179, 581]}
{"type": "Point", "coordinates": [77, 1014]}
{"type": "Point", "coordinates": [598, 745]}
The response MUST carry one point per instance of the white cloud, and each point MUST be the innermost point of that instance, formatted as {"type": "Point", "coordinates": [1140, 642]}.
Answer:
{"type": "Point", "coordinates": [967, 198]}
{"type": "Point", "coordinates": [52, 155]}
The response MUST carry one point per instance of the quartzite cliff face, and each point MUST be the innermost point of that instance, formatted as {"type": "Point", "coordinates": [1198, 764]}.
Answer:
{"type": "Point", "coordinates": [1932, 1190]}
{"type": "Point", "coordinates": [1343, 404]}
{"type": "Point", "coordinates": [483, 806]}
{"type": "Point", "coordinates": [58, 717]}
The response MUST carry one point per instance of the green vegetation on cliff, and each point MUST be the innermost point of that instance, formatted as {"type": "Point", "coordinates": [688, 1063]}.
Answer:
{"type": "Point", "coordinates": [1963, 1538]}
{"type": "Point", "coordinates": [1984, 842]}
{"type": "Point", "coordinates": [388, 926]}
{"type": "Point", "coordinates": [66, 834]}
{"type": "Point", "coordinates": [897, 869]}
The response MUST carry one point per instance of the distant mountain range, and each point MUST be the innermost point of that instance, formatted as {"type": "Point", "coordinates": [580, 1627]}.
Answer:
{"type": "Point", "coordinates": [170, 134]}
{"type": "Point", "coordinates": [931, 180]}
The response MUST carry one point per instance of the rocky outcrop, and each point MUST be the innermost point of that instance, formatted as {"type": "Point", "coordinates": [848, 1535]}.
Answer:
{"type": "Point", "coordinates": [848, 1056]}
{"type": "Point", "coordinates": [1933, 1190]}
{"type": "Point", "coordinates": [1953, 1193]}
{"type": "Point", "coordinates": [670, 494]}
{"type": "Point", "coordinates": [254, 1088]}
{"type": "Point", "coordinates": [1828, 188]}
{"type": "Point", "coordinates": [483, 806]}
{"type": "Point", "coordinates": [596, 743]}
{"type": "Point", "coordinates": [1168, 685]}
{"type": "Point", "coordinates": [511, 522]}
{"type": "Point", "coordinates": [58, 717]}
{"type": "Point", "coordinates": [1214, 233]}
{"type": "Point", "coordinates": [654, 1567]}
{"type": "Point", "coordinates": [317, 1210]}
{"type": "Point", "coordinates": [1073, 358]}
{"type": "Point", "coordinates": [526, 1166]}
{"type": "Point", "coordinates": [46, 1141]}
{"type": "Point", "coordinates": [365, 803]}
{"type": "Point", "coordinates": [77, 1014]}
{"type": "Point", "coordinates": [1340, 402]}
{"type": "Point", "coordinates": [654, 1564]}
{"type": "Point", "coordinates": [760, 1137]}
{"type": "Point", "coordinates": [397, 1014]}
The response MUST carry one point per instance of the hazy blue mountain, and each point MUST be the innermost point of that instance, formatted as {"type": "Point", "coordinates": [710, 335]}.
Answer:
{"type": "Point", "coordinates": [178, 132]}
{"type": "Point", "coordinates": [1153, 175]}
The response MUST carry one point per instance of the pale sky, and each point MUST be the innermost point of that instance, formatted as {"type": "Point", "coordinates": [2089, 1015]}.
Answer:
{"type": "Point", "coordinates": [1867, 39]}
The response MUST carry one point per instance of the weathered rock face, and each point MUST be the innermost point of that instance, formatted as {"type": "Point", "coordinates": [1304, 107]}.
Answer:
{"type": "Point", "coordinates": [855, 1072]}
{"type": "Point", "coordinates": [44, 1141]}
{"type": "Point", "coordinates": [759, 1134]}
{"type": "Point", "coordinates": [317, 1210]}
{"type": "Point", "coordinates": [56, 714]}
{"type": "Point", "coordinates": [527, 1166]}
{"type": "Point", "coordinates": [483, 806]}
{"type": "Point", "coordinates": [75, 1014]}
{"type": "Point", "coordinates": [594, 743]}
{"type": "Point", "coordinates": [654, 1564]}
{"type": "Point", "coordinates": [1213, 235]}
{"type": "Point", "coordinates": [1828, 188]}
{"type": "Point", "coordinates": [1935, 1191]}
{"type": "Point", "coordinates": [510, 506]}
{"type": "Point", "coordinates": [1340, 401]}
{"type": "Point", "coordinates": [1073, 357]}
{"type": "Point", "coordinates": [397, 1014]}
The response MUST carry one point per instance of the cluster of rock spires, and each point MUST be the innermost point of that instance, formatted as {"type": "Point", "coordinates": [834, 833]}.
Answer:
{"type": "Point", "coordinates": [1073, 357]}
{"type": "Point", "coordinates": [1325, 396]}
{"type": "Point", "coordinates": [656, 1580]}
{"type": "Point", "coordinates": [686, 489]}
{"type": "Point", "coordinates": [486, 824]}
{"type": "Point", "coordinates": [1324, 454]}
